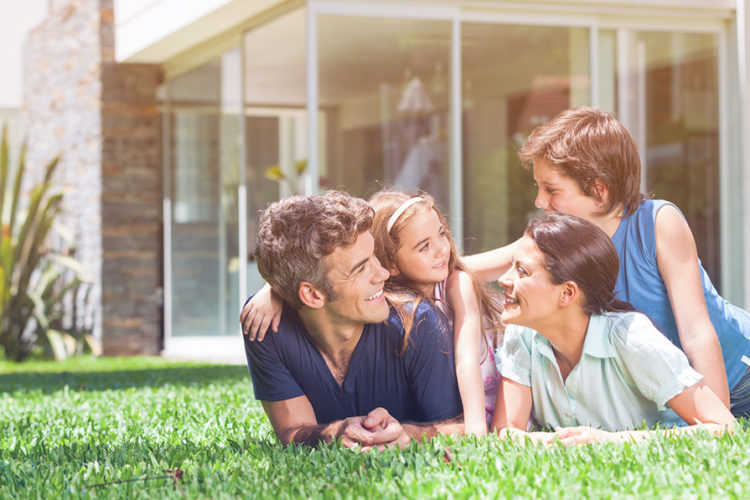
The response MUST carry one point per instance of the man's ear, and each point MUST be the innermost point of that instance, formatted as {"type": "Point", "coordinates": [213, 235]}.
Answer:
{"type": "Point", "coordinates": [569, 293]}
{"type": "Point", "coordinates": [602, 190]}
{"type": "Point", "coordinates": [310, 295]}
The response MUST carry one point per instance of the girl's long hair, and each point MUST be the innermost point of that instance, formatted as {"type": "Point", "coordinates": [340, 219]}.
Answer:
{"type": "Point", "coordinates": [402, 295]}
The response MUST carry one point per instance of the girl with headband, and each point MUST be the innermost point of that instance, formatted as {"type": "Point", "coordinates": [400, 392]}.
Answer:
{"type": "Point", "coordinates": [413, 243]}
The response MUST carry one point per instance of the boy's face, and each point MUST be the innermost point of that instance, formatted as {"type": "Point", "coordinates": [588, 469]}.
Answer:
{"type": "Point", "coordinates": [557, 193]}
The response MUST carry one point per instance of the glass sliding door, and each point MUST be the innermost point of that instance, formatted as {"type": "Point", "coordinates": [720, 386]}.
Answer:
{"type": "Point", "coordinates": [275, 120]}
{"type": "Point", "coordinates": [238, 133]}
{"type": "Point", "coordinates": [204, 156]}
{"type": "Point", "coordinates": [669, 99]}
{"type": "Point", "coordinates": [513, 79]}
{"type": "Point", "coordinates": [384, 100]}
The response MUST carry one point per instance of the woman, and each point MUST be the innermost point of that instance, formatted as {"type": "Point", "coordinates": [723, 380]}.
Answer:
{"type": "Point", "coordinates": [590, 360]}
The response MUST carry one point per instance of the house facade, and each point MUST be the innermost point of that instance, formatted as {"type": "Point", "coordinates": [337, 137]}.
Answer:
{"type": "Point", "coordinates": [184, 119]}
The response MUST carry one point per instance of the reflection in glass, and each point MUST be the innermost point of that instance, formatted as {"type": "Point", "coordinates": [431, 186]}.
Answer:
{"type": "Point", "coordinates": [204, 163]}
{"type": "Point", "coordinates": [275, 119]}
{"type": "Point", "coordinates": [672, 111]}
{"type": "Point", "coordinates": [384, 94]}
{"type": "Point", "coordinates": [514, 78]}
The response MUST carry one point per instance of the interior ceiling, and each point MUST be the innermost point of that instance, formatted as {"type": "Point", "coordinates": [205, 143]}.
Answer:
{"type": "Point", "coordinates": [358, 56]}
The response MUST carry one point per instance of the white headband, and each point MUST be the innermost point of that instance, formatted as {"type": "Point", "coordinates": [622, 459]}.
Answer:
{"type": "Point", "coordinates": [400, 211]}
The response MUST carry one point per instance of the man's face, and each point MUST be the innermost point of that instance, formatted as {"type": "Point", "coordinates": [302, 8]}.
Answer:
{"type": "Point", "coordinates": [357, 279]}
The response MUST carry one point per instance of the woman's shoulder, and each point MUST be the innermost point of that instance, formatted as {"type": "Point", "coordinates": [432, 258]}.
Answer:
{"type": "Point", "coordinates": [516, 334]}
{"type": "Point", "coordinates": [622, 321]}
{"type": "Point", "coordinates": [633, 330]}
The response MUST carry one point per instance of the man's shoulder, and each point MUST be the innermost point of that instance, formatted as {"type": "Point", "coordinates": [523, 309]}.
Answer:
{"type": "Point", "coordinates": [291, 332]}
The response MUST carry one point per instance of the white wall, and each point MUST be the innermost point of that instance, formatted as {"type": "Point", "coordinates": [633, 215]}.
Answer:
{"type": "Point", "coordinates": [153, 31]}
{"type": "Point", "coordinates": [16, 19]}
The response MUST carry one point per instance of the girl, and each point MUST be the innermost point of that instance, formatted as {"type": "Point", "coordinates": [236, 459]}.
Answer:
{"type": "Point", "coordinates": [585, 163]}
{"type": "Point", "coordinates": [589, 360]}
{"type": "Point", "coordinates": [413, 243]}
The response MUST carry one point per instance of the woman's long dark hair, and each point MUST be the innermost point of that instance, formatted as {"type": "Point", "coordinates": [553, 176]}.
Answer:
{"type": "Point", "coordinates": [576, 250]}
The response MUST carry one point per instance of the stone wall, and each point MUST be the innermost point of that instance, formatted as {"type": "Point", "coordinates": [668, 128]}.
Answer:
{"type": "Point", "coordinates": [102, 118]}
{"type": "Point", "coordinates": [62, 116]}
{"type": "Point", "coordinates": [131, 209]}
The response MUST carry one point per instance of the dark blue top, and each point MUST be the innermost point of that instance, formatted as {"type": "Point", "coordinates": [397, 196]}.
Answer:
{"type": "Point", "coordinates": [418, 386]}
{"type": "Point", "coordinates": [641, 284]}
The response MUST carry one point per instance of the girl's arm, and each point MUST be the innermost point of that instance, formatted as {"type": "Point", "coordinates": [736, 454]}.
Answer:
{"type": "Point", "coordinates": [262, 310]}
{"type": "Point", "coordinates": [490, 265]}
{"type": "Point", "coordinates": [466, 341]}
{"type": "Point", "coordinates": [513, 406]}
{"type": "Point", "coordinates": [677, 259]}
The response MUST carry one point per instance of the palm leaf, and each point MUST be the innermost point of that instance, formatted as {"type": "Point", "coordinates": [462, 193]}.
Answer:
{"type": "Point", "coordinates": [54, 339]}
{"type": "Point", "coordinates": [3, 170]}
{"type": "Point", "coordinates": [36, 280]}
{"type": "Point", "coordinates": [16, 195]}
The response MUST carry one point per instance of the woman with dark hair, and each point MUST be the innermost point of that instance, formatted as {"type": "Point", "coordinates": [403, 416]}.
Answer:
{"type": "Point", "coordinates": [587, 361]}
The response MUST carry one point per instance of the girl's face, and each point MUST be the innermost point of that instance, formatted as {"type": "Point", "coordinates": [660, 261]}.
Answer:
{"type": "Point", "coordinates": [557, 193]}
{"type": "Point", "coordinates": [531, 298]}
{"type": "Point", "coordinates": [424, 253]}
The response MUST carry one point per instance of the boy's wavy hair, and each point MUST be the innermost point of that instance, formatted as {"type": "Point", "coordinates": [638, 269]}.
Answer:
{"type": "Point", "coordinates": [295, 234]}
{"type": "Point", "coordinates": [401, 293]}
{"type": "Point", "coordinates": [586, 144]}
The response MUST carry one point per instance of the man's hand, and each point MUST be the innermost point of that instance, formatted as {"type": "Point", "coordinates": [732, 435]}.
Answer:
{"type": "Point", "coordinates": [378, 429]}
{"type": "Point", "coordinates": [386, 430]}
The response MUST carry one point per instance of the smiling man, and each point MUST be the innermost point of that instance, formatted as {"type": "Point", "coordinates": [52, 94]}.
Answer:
{"type": "Point", "coordinates": [334, 370]}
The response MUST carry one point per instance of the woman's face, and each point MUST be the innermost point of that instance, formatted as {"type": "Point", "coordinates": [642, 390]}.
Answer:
{"type": "Point", "coordinates": [531, 299]}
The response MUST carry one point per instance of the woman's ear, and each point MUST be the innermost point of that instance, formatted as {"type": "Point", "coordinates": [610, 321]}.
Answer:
{"type": "Point", "coordinates": [569, 293]}
{"type": "Point", "coordinates": [310, 295]}
{"type": "Point", "coordinates": [393, 270]}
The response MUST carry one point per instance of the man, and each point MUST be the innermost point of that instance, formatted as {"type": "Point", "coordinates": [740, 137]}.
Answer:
{"type": "Point", "coordinates": [334, 370]}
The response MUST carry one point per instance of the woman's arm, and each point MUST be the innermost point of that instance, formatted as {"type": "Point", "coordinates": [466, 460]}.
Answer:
{"type": "Point", "coordinates": [677, 259]}
{"type": "Point", "coordinates": [697, 405]}
{"type": "Point", "coordinates": [490, 265]}
{"type": "Point", "coordinates": [513, 406]}
{"type": "Point", "coordinates": [466, 341]}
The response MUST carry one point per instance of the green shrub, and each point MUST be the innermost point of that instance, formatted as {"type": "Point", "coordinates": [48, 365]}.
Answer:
{"type": "Point", "coordinates": [36, 280]}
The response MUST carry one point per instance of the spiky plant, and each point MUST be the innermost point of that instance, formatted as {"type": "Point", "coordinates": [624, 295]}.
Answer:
{"type": "Point", "coordinates": [35, 277]}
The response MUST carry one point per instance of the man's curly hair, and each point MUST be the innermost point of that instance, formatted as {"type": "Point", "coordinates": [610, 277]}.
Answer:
{"type": "Point", "coordinates": [296, 233]}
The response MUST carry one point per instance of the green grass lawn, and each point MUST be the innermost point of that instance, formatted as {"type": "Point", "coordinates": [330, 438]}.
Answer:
{"type": "Point", "coordinates": [69, 426]}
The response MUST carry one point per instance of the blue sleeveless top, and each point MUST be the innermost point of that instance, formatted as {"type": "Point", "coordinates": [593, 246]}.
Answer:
{"type": "Point", "coordinates": [640, 283]}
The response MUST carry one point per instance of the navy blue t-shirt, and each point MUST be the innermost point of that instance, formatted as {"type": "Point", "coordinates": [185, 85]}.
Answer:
{"type": "Point", "coordinates": [419, 385]}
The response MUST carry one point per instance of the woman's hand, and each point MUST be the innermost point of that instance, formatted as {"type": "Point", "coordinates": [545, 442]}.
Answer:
{"type": "Point", "coordinates": [583, 435]}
